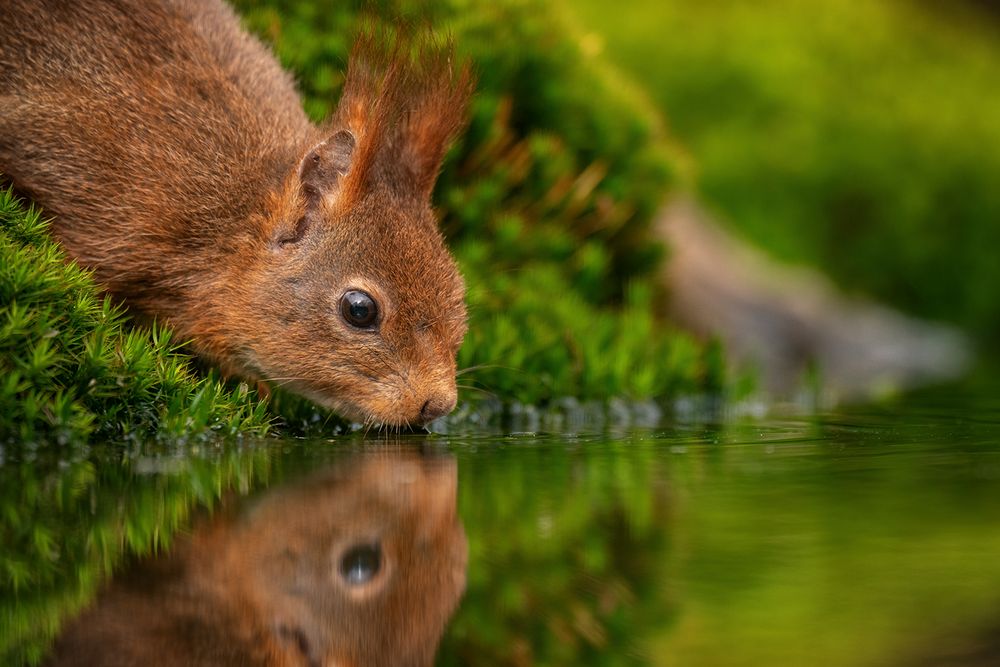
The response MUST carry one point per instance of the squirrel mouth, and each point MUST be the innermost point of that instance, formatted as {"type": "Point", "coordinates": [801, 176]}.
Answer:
{"type": "Point", "coordinates": [380, 413]}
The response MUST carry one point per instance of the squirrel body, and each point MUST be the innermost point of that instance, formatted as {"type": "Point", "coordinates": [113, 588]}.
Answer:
{"type": "Point", "coordinates": [172, 151]}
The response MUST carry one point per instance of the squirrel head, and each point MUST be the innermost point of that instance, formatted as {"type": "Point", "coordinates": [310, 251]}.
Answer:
{"type": "Point", "coordinates": [354, 298]}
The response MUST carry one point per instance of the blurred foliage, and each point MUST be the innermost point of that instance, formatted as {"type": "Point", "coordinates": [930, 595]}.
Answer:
{"type": "Point", "coordinates": [861, 137]}
{"type": "Point", "coordinates": [546, 199]}
{"type": "Point", "coordinates": [72, 369]}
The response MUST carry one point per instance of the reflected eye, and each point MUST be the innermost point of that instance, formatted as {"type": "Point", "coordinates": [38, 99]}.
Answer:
{"type": "Point", "coordinates": [361, 563]}
{"type": "Point", "coordinates": [359, 309]}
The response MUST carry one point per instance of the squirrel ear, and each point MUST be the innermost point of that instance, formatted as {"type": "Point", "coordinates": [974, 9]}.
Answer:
{"type": "Point", "coordinates": [325, 165]}
{"type": "Point", "coordinates": [320, 173]}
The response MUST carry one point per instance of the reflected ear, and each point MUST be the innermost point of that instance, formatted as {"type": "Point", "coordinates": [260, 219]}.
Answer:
{"type": "Point", "coordinates": [323, 168]}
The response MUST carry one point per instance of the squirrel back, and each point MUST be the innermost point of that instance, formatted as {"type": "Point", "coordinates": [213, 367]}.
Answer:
{"type": "Point", "coordinates": [174, 155]}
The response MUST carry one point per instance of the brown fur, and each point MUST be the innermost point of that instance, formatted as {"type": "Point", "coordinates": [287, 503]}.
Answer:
{"type": "Point", "coordinates": [173, 153]}
{"type": "Point", "coordinates": [260, 586]}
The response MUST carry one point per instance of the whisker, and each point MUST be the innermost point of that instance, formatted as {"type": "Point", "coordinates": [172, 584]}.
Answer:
{"type": "Point", "coordinates": [477, 367]}
{"type": "Point", "coordinates": [481, 391]}
{"type": "Point", "coordinates": [368, 423]}
{"type": "Point", "coordinates": [287, 379]}
{"type": "Point", "coordinates": [469, 369]}
{"type": "Point", "coordinates": [471, 382]}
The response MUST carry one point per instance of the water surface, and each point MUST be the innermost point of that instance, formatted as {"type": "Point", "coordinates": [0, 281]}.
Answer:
{"type": "Point", "coordinates": [862, 537]}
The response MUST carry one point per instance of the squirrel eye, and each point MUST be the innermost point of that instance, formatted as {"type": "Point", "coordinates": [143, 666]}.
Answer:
{"type": "Point", "coordinates": [359, 309]}
{"type": "Point", "coordinates": [361, 563]}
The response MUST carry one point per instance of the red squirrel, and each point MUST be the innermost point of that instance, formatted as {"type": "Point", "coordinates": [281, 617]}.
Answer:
{"type": "Point", "coordinates": [173, 153]}
{"type": "Point", "coordinates": [359, 565]}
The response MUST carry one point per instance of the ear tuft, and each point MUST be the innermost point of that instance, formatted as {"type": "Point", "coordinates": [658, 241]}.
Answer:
{"type": "Point", "coordinates": [435, 114]}
{"type": "Point", "coordinates": [404, 100]}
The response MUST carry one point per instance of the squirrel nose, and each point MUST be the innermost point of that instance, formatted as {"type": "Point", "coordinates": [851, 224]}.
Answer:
{"type": "Point", "coordinates": [437, 406]}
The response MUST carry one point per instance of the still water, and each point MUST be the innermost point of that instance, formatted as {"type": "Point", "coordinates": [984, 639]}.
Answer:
{"type": "Point", "coordinates": [864, 537]}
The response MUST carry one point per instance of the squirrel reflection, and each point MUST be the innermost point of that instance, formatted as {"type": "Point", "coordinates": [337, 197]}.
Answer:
{"type": "Point", "coordinates": [361, 564]}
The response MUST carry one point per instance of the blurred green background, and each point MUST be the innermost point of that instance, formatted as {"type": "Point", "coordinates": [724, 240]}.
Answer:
{"type": "Point", "coordinates": [859, 137]}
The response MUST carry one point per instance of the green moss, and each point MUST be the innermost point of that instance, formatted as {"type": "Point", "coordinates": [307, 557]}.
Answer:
{"type": "Point", "coordinates": [536, 338]}
{"type": "Point", "coordinates": [72, 369]}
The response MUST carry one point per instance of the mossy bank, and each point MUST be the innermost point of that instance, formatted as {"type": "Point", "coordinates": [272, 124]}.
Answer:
{"type": "Point", "coordinates": [74, 368]}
